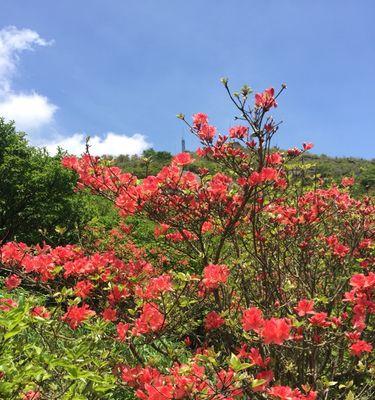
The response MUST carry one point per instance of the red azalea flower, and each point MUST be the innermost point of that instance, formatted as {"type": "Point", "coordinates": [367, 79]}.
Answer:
{"type": "Point", "coordinates": [83, 288]}
{"type": "Point", "coordinates": [252, 318]}
{"type": "Point", "coordinates": [238, 132]}
{"type": "Point", "coordinates": [41, 312]}
{"type": "Point", "coordinates": [213, 321]}
{"type": "Point", "coordinates": [109, 314]}
{"type": "Point", "coordinates": [122, 330]}
{"type": "Point", "coordinates": [7, 304]}
{"type": "Point", "coordinates": [214, 274]}
{"type": "Point", "coordinates": [12, 281]}
{"type": "Point", "coordinates": [268, 174]}
{"type": "Point", "coordinates": [150, 320]}
{"type": "Point", "coordinates": [281, 392]}
{"type": "Point", "coordinates": [200, 119]}
{"type": "Point", "coordinates": [264, 375]}
{"type": "Point", "coordinates": [276, 330]}
{"type": "Point", "coordinates": [305, 307]}
{"type": "Point", "coordinates": [274, 159]}
{"type": "Point", "coordinates": [360, 347]}
{"type": "Point", "coordinates": [307, 146]}
{"type": "Point", "coordinates": [31, 395]}
{"type": "Point", "coordinates": [266, 99]}
{"type": "Point", "coordinates": [76, 315]}
{"type": "Point", "coordinates": [207, 132]}
{"type": "Point", "coordinates": [157, 286]}
{"type": "Point", "coordinates": [320, 319]}
{"type": "Point", "coordinates": [346, 181]}
{"type": "Point", "coordinates": [182, 159]}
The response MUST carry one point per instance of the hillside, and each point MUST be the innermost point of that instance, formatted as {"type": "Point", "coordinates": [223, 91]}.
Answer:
{"type": "Point", "coordinates": [329, 168]}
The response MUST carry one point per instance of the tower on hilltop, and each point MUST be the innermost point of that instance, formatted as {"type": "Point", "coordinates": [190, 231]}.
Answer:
{"type": "Point", "coordinates": [183, 146]}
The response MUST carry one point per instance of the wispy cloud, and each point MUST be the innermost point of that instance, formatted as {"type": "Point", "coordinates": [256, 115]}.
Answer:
{"type": "Point", "coordinates": [30, 111]}
{"type": "Point", "coordinates": [112, 143]}
{"type": "Point", "coordinates": [12, 42]}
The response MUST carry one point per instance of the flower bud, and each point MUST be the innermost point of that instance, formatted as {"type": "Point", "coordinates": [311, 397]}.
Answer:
{"type": "Point", "coordinates": [246, 90]}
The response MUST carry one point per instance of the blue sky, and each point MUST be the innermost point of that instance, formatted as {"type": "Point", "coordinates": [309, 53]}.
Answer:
{"type": "Point", "coordinates": [128, 67]}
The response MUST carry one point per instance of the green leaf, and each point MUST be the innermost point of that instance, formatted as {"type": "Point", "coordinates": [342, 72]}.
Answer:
{"type": "Point", "coordinates": [258, 382]}
{"type": "Point", "coordinates": [236, 364]}
{"type": "Point", "coordinates": [350, 396]}
{"type": "Point", "coordinates": [15, 331]}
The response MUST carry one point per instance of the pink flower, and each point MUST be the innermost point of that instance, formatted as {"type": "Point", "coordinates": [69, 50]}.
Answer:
{"type": "Point", "coordinates": [150, 320]}
{"type": "Point", "coordinates": [122, 330]}
{"type": "Point", "coordinates": [274, 158]}
{"type": "Point", "coordinates": [182, 159]}
{"type": "Point", "coordinates": [157, 286]}
{"type": "Point", "coordinates": [70, 162]}
{"type": "Point", "coordinates": [353, 336]}
{"type": "Point", "coordinates": [266, 99]}
{"type": "Point", "coordinates": [320, 319]}
{"type": "Point", "coordinates": [347, 181]}
{"type": "Point", "coordinates": [361, 281]}
{"type": "Point", "coordinates": [307, 146]}
{"type": "Point", "coordinates": [12, 281]}
{"type": "Point", "coordinates": [200, 119]}
{"type": "Point", "coordinates": [31, 395]}
{"type": "Point", "coordinates": [214, 274]}
{"type": "Point", "coordinates": [213, 321]}
{"type": "Point", "coordinates": [7, 304]}
{"type": "Point", "coordinates": [207, 132]}
{"type": "Point", "coordinates": [276, 330]}
{"type": "Point", "coordinates": [83, 288]}
{"type": "Point", "coordinates": [281, 392]}
{"type": "Point", "coordinates": [252, 318]}
{"type": "Point", "coordinates": [268, 174]}
{"type": "Point", "coordinates": [294, 152]}
{"type": "Point", "coordinates": [76, 315]}
{"type": "Point", "coordinates": [109, 314]}
{"type": "Point", "coordinates": [360, 347]}
{"type": "Point", "coordinates": [238, 132]}
{"type": "Point", "coordinates": [305, 307]}
{"type": "Point", "coordinates": [40, 312]}
{"type": "Point", "coordinates": [159, 392]}
{"type": "Point", "coordinates": [207, 227]}
{"type": "Point", "coordinates": [255, 178]}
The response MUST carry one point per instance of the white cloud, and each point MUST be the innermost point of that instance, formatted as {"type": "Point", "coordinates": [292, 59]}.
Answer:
{"type": "Point", "coordinates": [29, 111]}
{"type": "Point", "coordinates": [12, 42]}
{"type": "Point", "coordinates": [112, 144]}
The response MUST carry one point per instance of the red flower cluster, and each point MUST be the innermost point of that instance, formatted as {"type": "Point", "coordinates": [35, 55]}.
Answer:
{"type": "Point", "coordinates": [274, 330]}
{"type": "Point", "coordinates": [213, 321]}
{"type": "Point", "coordinates": [224, 241]}
{"type": "Point", "coordinates": [150, 320]}
{"type": "Point", "coordinates": [76, 315]}
{"type": "Point", "coordinates": [266, 100]}
{"type": "Point", "coordinates": [12, 281]}
{"type": "Point", "coordinates": [214, 274]}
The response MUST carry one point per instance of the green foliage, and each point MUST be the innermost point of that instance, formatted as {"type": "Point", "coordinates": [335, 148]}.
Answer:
{"type": "Point", "coordinates": [37, 197]}
{"type": "Point", "coordinates": [329, 168]}
{"type": "Point", "coordinates": [149, 163]}
{"type": "Point", "coordinates": [336, 168]}
{"type": "Point", "coordinates": [44, 353]}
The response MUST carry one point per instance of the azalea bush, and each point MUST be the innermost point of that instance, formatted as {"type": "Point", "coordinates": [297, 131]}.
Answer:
{"type": "Point", "coordinates": [251, 283]}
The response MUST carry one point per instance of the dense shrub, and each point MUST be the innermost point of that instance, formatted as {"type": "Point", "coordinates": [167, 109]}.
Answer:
{"type": "Point", "coordinates": [256, 282]}
{"type": "Point", "coordinates": [37, 197]}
